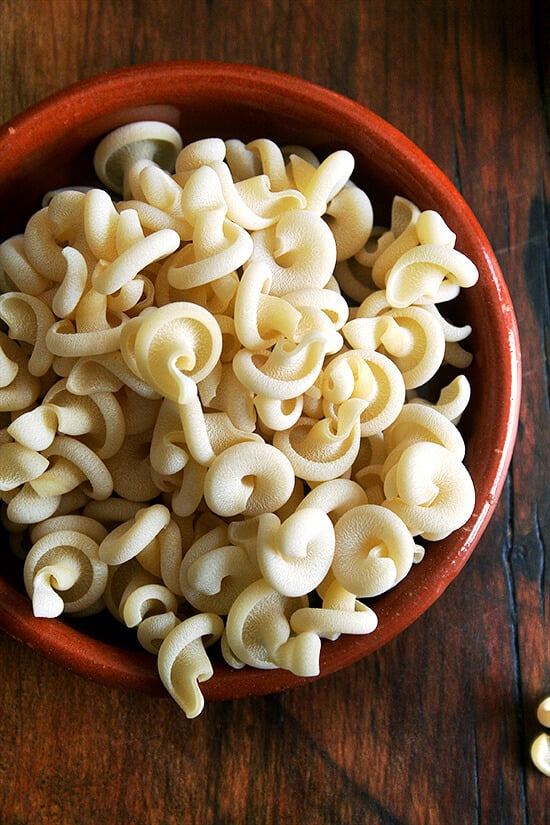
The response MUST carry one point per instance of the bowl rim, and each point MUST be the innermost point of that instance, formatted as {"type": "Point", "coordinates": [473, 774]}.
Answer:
{"type": "Point", "coordinates": [101, 661]}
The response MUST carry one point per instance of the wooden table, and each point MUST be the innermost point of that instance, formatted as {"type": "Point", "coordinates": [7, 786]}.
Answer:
{"type": "Point", "coordinates": [435, 728]}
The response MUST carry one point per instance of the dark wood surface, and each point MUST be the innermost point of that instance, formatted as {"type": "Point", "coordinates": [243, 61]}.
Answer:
{"type": "Point", "coordinates": [435, 728]}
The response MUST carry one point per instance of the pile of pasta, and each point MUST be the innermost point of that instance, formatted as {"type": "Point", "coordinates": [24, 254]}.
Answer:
{"type": "Point", "coordinates": [200, 433]}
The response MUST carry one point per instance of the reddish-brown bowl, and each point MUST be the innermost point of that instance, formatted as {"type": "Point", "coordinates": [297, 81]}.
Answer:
{"type": "Point", "coordinates": [51, 145]}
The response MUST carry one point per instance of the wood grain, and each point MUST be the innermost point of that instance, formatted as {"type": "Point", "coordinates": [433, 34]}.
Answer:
{"type": "Point", "coordinates": [434, 728]}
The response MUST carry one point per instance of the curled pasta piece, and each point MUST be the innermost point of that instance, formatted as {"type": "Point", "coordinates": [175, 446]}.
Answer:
{"type": "Point", "coordinates": [27, 507]}
{"type": "Point", "coordinates": [341, 612]}
{"type": "Point", "coordinates": [350, 217]}
{"type": "Point", "coordinates": [299, 250]}
{"type": "Point", "coordinates": [431, 490]}
{"type": "Point", "coordinates": [28, 319]}
{"type": "Point", "coordinates": [420, 272]}
{"type": "Point", "coordinates": [121, 148]}
{"type": "Point", "coordinates": [334, 497]}
{"type": "Point", "coordinates": [128, 539]}
{"type": "Point", "coordinates": [106, 373]}
{"type": "Point", "coordinates": [20, 389]}
{"type": "Point", "coordinates": [228, 395]}
{"type": "Point", "coordinates": [369, 376]}
{"type": "Point", "coordinates": [75, 522]}
{"type": "Point", "coordinates": [411, 337]}
{"type": "Point", "coordinates": [279, 414]}
{"type": "Point", "coordinates": [147, 600]}
{"type": "Point", "coordinates": [243, 163]}
{"type": "Point", "coordinates": [419, 422]}
{"type": "Point", "coordinates": [324, 183]}
{"type": "Point", "coordinates": [374, 550]}
{"type": "Point", "coordinates": [112, 276]}
{"type": "Point", "coordinates": [294, 556]}
{"type": "Point", "coordinates": [272, 162]}
{"type": "Point", "coordinates": [175, 346]}
{"type": "Point", "coordinates": [83, 462]}
{"type": "Point", "coordinates": [183, 662]}
{"type": "Point", "coordinates": [320, 451]}
{"type": "Point", "coordinates": [543, 712]}
{"type": "Point", "coordinates": [286, 371]}
{"type": "Point", "coordinates": [19, 464]}
{"type": "Point", "coordinates": [328, 301]}
{"type": "Point", "coordinates": [432, 229]}
{"type": "Point", "coordinates": [404, 217]}
{"type": "Point", "coordinates": [249, 478]}
{"type": "Point", "coordinates": [168, 454]}
{"type": "Point", "coordinates": [261, 319]}
{"type": "Point", "coordinates": [453, 398]}
{"type": "Point", "coordinates": [22, 275]}
{"type": "Point", "coordinates": [214, 571]}
{"type": "Point", "coordinates": [540, 753]}
{"type": "Point", "coordinates": [259, 633]}
{"type": "Point", "coordinates": [63, 573]}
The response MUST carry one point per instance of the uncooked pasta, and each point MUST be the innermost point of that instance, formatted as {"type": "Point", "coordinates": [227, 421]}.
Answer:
{"type": "Point", "coordinates": [215, 423]}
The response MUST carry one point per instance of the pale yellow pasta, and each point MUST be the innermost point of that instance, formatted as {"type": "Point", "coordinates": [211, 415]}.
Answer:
{"type": "Point", "coordinates": [374, 550]}
{"type": "Point", "coordinates": [175, 345]}
{"type": "Point", "coordinates": [334, 497]}
{"type": "Point", "coordinates": [192, 412]}
{"type": "Point", "coordinates": [75, 522]}
{"type": "Point", "coordinates": [295, 555]}
{"type": "Point", "coordinates": [119, 150]}
{"type": "Point", "coordinates": [249, 478]}
{"type": "Point", "coordinates": [214, 571]}
{"type": "Point", "coordinates": [322, 450]}
{"type": "Point", "coordinates": [453, 398]}
{"type": "Point", "coordinates": [258, 631]}
{"type": "Point", "coordinates": [543, 712]}
{"type": "Point", "coordinates": [285, 371]}
{"type": "Point", "coordinates": [262, 319]}
{"type": "Point", "coordinates": [63, 573]}
{"type": "Point", "coordinates": [243, 163]}
{"type": "Point", "coordinates": [28, 319]}
{"type": "Point", "coordinates": [420, 272]}
{"type": "Point", "coordinates": [540, 753]}
{"type": "Point", "coordinates": [19, 464]}
{"type": "Point", "coordinates": [277, 414]}
{"type": "Point", "coordinates": [110, 277]}
{"type": "Point", "coordinates": [272, 162]}
{"type": "Point", "coordinates": [20, 272]}
{"type": "Point", "coordinates": [183, 662]}
{"type": "Point", "coordinates": [431, 490]}
{"type": "Point", "coordinates": [350, 217]}
{"type": "Point", "coordinates": [128, 539]}
{"type": "Point", "coordinates": [147, 600]}
{"type": "Point", "coordinates": [341, 612]}
{"type": "Point", "coordinates": [404, 215]}
{"type": "Point", "coordinates": [78, 461]}
{"type": "Point", "coordinates": [324, 182]}
{"type": "Point", "coordinates": [299, 250]}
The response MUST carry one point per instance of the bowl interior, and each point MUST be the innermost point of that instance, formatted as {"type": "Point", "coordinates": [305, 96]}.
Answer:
{"type": "Point", "coordinates": [52, 145]}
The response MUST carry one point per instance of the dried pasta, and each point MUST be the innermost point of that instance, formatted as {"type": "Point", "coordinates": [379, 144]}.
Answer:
{"type": "Point", "coordinates": [200, 433]}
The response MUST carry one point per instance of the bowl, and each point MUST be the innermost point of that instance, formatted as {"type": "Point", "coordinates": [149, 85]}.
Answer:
{"type": "Point", "coordinates": [51, 145]}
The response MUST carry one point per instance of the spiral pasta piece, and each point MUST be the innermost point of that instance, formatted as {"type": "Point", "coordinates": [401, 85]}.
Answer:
{"type": "Point", "coordinates": [131, 537]}
{"type": "Point", "coordinates": [374, 550]}
{"type": "Point", "coordinates": [175, 345]}
{"type": "Point", "coordinates": [294, 556]}
{"type": "Point", "coordinates": [63, 573]}
{"type": "Point", "coordinates": [341, 612]}
{"type": "Point", "coordinates": [431, 490]}
{"type": "Point", "coordinates": [183, 662]}
{"type": "Point", "coordinates": [259, 634]}
{"type": "Point", "coordinates": [299, 250]}
{"type": "Point", "coordinates": [29, 319]}
{"type": "Point", "coordinates": [214, 571]}
{"type": "Point", "coordinates": [249, 478]}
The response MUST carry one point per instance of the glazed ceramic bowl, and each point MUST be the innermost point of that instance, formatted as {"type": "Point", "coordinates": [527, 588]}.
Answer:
{"type": "Point", "coordinates": [52, 145]}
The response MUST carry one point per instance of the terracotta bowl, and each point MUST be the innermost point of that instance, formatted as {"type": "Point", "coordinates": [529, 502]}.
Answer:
{"type": "Point", "coordinates": [52, 144]}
